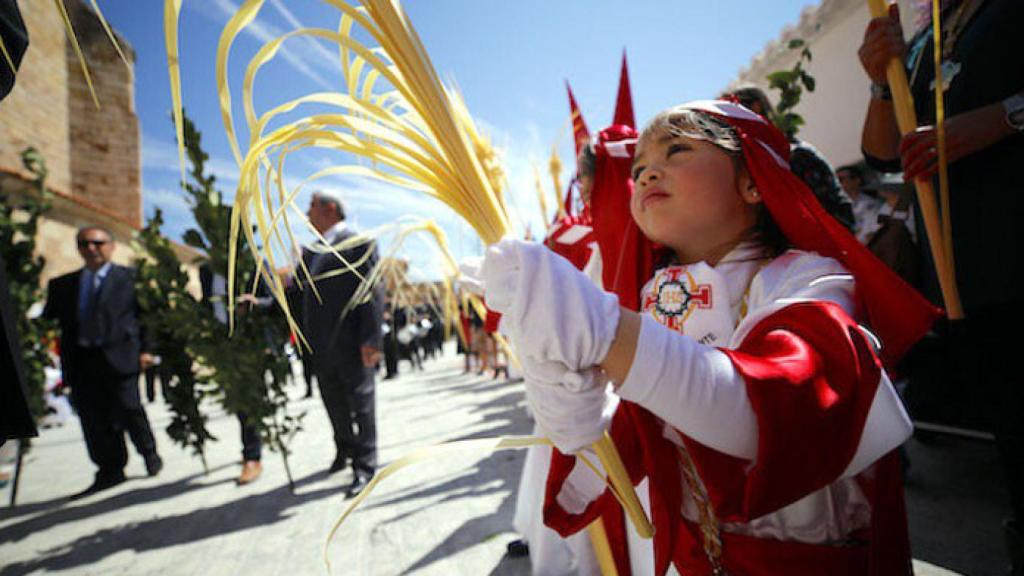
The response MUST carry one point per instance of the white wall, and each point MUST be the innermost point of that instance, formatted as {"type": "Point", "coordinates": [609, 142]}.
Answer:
{"type": "Point", "coordinates": [834, 112]}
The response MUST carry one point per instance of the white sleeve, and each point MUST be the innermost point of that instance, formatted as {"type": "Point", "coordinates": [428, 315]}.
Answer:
{"type": "Point", "coordinates": [693, 387]}
{"type": "Point", "coordinates": [887, 426]}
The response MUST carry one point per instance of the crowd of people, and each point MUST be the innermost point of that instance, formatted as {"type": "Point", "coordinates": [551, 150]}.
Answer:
{"type": "Point", "coordinates": [103, 349]}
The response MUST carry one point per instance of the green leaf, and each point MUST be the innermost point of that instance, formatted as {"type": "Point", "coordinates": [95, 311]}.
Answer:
{"type": "Point", "coordinates": [194, 239]}
{"type": "Point", "coordinates": [808, 81]}
{"type": "Point", "coordinates": [783, 77]}
{"type": "Point", "coordinates": [796, 43]}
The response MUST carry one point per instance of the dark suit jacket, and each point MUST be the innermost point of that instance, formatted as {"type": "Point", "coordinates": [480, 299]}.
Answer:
{"type": "Point", "coordinates": [335, 340]}
{"type": "Point", "coordinates": [16, 419]}
{"type": "Point", "coordinates": [122, 336]}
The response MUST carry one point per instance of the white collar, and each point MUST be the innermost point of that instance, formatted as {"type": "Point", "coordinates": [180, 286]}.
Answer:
{"type": "Point", "coordinates": [100, 273]}
{"type": "Point", "coordinates": [333, 231]}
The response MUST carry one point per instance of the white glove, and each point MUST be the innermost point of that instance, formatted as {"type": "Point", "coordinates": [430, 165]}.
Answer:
{"type": "Point", "coordinates": [470, 276]}
{"type": "Point", "coordinates": [551, 310]}
{"type": "Point", "coordinates": [571, 418]}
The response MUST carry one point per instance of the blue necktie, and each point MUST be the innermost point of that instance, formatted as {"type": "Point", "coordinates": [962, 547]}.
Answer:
{"type": "Point", "coordinates": [88, 326]}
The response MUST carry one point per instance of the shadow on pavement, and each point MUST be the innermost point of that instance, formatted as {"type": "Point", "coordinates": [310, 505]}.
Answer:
{"type": "Point", "coordinates": [65, 510]}
{"type": "Point", "coordinates": [498, 474]}
{"type": "Point", "coordinates": [510, 566]}
{"type": "Point", "coordinates": [253, 511]}
{"type": "Point", "coordinates": [956, 500]}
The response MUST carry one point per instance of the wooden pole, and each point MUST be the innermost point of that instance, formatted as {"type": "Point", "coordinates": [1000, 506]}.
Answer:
{"type": "Point", "coordinates": [619, 478]}
{"type": "Point", "coordinates": [906, 118]}
{"type": "Point", "coordinates": [602, 549]}
{"type": "Point", "coordinates": [17, 473]}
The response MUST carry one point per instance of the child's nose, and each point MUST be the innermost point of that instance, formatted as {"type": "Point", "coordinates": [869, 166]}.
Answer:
{"type": "Point", "coordinates": [650, 175]}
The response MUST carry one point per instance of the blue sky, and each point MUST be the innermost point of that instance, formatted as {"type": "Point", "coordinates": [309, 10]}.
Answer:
{"type": "Point", "coordinates": [510, 59]}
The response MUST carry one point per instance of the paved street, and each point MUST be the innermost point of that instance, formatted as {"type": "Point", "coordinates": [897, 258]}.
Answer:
{"type": "Point", "coordinates": [444, 517]}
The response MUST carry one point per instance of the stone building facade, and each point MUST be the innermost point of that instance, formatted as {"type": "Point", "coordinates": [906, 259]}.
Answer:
{"type": "Point", "coordinates": [93, 155]}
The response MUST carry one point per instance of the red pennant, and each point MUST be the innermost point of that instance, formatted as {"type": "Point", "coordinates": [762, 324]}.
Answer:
{"type": "Point", "coordinates": [624, 100]}
{"type": "Point", "coordinates": [579, 128]}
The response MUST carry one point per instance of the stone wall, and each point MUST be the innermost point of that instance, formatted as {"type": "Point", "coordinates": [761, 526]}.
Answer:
{"type": "Point", "coordinates": [105, 143]}
{"type": "Point", "coordinates": [35, 113]}
{"type": "Point", "coordinates": [93, 155]}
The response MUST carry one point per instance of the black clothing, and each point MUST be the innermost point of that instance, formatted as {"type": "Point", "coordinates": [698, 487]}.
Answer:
{"type": "Point", "coordinates": [151, 375]}
{"type": "Point", "coordinates": [294, 296]}
{"type": "Point", "coordinates": [348, 394]}
{"type": "Point", "coordinates": [252, 445]}
{"type": "Point", "coordinates": [120, 335]}
{"type": "Point", "coordinates": [104, 379]}
{"type": "Point", "coordinates": [15, 416]}
{"type": "Point", "coordinates": [967, 373]}
{"type": "Point", "coordinates": [810, 166]}
{"type": "Point", "coordinates": [391, 349]}
{"type": "Point", "coordinates": [15, 38]}
{"type": "Point", "coordinates": [986, 203]}
{"type": "Point", "coordinates": [108, 405]}
{"type": "Point", "coordinates": [102, 481]}
{"type": "Point", "coordinates": [333, 338]}
{"type": "Point", "coordinates": [346, 386]}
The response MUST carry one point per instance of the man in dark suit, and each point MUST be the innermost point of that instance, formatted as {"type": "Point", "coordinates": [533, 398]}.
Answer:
{"type": "Point", "coordinates": [294, 294]}
{"type": "Point", "coordinates": [102, 351]}
{"type": "Point", "coordinates": [345, 348]}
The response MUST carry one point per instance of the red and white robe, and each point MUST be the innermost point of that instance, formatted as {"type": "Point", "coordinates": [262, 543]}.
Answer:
{"type": "Point", "coordinates": [786, 417]}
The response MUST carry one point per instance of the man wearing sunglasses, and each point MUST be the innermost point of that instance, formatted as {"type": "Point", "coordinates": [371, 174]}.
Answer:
{"type": "Point", "coordinates": [102, 352]}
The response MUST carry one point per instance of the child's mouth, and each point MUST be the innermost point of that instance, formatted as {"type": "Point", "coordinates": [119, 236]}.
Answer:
{"type": "Point", "coordinates": [653, 197]}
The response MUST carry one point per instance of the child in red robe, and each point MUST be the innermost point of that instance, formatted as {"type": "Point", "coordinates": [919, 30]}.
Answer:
{"type": "Point", "coordinates": [752, 402]}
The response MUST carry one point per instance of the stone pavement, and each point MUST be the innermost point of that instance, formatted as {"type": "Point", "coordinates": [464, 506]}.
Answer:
{"type": "Point", "coordinates": [445, 517]}
{"type": "Point", "coordinates": [450, 517]}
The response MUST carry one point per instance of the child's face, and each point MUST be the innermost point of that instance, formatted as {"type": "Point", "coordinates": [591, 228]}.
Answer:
{"type": "Point", "coordinates": [689, 197]}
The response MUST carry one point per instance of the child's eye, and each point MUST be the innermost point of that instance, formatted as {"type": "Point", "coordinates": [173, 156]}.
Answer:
{"type": "Point", "coordinates": [637, 171]}
{"type": "Point", "coordinates": [675, 147]}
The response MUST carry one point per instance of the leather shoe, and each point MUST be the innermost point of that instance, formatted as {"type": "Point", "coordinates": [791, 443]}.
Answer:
{"type": "Point", "coordinates": [102, 482]}
{"type": "Point", "coordinates": [518, 548]}
{"type": "Point", "coordinates": [154, 464]}
{"type": "Point", "coordinates": [251, 470]}
{"type": "Point", "coordinates": [359, 482]}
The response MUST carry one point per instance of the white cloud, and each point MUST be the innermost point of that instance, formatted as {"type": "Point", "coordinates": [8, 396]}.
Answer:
{"type": "Point", "coordinates": [163, 155]}
{"type": "Point", "coordinates": [325, 56]}
{"type": "Point", "coordinates": [165, 198]}
{"type": "Point", "coordinates": [221, 10]}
